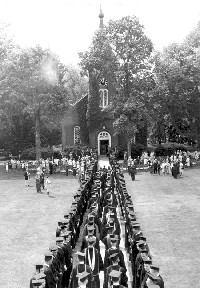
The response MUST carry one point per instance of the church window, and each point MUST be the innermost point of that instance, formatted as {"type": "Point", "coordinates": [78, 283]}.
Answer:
{"type": "Point", "coordinates": [77, 136]}
{"type": "Point", "coordinates": [103, 98]}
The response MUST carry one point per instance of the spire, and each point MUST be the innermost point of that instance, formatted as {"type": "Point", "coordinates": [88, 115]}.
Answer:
{"type": "Point", "coordinates": [101, 15]}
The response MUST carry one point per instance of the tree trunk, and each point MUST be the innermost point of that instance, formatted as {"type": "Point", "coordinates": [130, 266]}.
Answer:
{"type": "Point", "coordinates": [129, 146]}
{"type": "Point", "coordinates": [37, 134]}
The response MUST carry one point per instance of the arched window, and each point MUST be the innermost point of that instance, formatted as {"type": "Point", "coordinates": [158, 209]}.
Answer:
{"type": "Point", "coordinates": [77, 136]}
{"type": "Point", "coordinates": [103, 98]}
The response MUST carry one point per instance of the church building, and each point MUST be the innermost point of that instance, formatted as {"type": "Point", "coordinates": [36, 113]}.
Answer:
{"type": "Point", "coordinates": [74, 126]}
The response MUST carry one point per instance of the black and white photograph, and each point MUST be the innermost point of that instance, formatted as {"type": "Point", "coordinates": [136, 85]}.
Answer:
{"type": "Point", "coordinates": [99, 143]}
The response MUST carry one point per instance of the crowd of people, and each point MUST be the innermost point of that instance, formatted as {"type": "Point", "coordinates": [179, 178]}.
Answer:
{"type": "Point", "coordinates": [173, 165]}
{"type": "Point", "coordinates": [94, 218]}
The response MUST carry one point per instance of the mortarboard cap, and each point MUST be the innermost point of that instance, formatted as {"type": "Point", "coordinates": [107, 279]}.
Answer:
{"type": "Point", "coordinates": [136, 225]}
{"type": "Point", "coordinates": [37, 283]}
{"type": "Point", "coordinates": [73, 208]}
{"type": "Point", "coordinates": [148, 261]}
{"type": "Point", "coordinates": [90, 228]}
{"type": "Point", "coordinates": [152, 277]}
{"type": "Point", "coordinates": [131, 213]}
{"type": "Point", "coordinates": [66, 221]}
{"type": "Point", "coordinates": [114, 256]}
{"type": "Point", "coordinates": [156, 268]}
{"type": "Point", "coordinates": [68, 232]}
{"type": "Point", "coordinates": [40, 275]}
{"type": "Point", "coordinates": [140, 242]}
{"type": "Point", "coordinates": [59, 239]}
{"type": "Point", "coordinates": [82, 276]}
{"type": "Point", "coordinates": [143, 238]}
{"type": "Point", "coordinates": [38, 266]}
{"type": "Point", "coordinates": [91, 239]}
{"type": "Point", "coordinates": [48, 254]}
{"type": "Point", "coordinates": [115, 274]}
{"type": "Point", "coordinates": [114, 239]}
{"type": "Point", "coordinates": [79, 253]}
{"type": "Point", "coordinates": [53, 247]}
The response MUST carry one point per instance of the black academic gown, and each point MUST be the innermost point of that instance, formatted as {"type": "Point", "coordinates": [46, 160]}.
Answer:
{"type": "Point", "coordinates": [108, 262]}
{"type": "Point", "coordinates": [108, 280]}
{"type": "Point", "coordinates": [80, 268]}
{"type": "Point", "coordinates": [98, 265]}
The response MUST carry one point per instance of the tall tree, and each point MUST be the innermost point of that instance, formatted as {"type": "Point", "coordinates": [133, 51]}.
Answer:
{"type": "Point", "coordinates": [34, 77]}
{"type": "Point", "coordinates": [176, 98]}
{"type": "Point", "coordinates": [132, 49]}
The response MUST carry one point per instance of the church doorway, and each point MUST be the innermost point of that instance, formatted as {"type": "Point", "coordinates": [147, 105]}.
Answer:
{"type": "Point", "coordinates": [104, 142]}
{"type": "Point", "coordinates": [104, 147]}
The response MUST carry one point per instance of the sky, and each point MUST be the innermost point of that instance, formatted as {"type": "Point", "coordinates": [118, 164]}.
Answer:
{"type": "Point", "coordinates": [67, 26]}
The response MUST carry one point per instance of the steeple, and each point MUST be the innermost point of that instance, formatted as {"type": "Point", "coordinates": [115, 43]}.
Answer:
{"type": "Point", "coordinates": [101, 15]}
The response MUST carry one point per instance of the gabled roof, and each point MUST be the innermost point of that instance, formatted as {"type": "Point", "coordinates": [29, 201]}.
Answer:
{"type": "Point", "coordinates": [83, 97]}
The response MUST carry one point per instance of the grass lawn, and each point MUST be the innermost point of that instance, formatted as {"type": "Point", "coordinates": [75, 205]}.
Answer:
{"type": "Point", "coordinates": [169, 212]}
{"type": "Point", "coordinates": [28, 223]}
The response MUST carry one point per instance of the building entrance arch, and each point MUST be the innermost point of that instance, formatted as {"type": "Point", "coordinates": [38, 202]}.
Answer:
{"type": "Point", "coordinates": [104, 141]}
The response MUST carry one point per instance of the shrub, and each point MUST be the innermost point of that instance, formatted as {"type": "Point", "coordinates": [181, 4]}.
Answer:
{"type": "Point", "coordinates": [168, 149]}
{"type": "Point", "coordinates": [136, 150]}
{"type": "Point", "coordinates": [30, 153]}
{"type": "Point", "coordinates": [75, 150]}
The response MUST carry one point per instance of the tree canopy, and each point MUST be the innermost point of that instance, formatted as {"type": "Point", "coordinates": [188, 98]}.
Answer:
{"type": "Point", "coordinates": [176, 97]}
{"type": "Point", "coordinates": [35, 92]}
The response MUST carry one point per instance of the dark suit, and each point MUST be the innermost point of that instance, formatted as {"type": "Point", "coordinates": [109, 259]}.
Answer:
{"type": "Point", "coordinates": [51, 278]}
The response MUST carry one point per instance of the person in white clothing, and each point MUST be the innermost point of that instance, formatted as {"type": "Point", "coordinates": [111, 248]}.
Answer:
{"type": "Point", "coordinates": [181, 166]}
{"type": "Point", "coordinates": [48, 185]}
{"type": "Point", "coordinates": [7, 167]}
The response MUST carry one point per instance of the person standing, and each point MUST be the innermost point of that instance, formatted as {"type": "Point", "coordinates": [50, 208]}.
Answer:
{"type": "Point", "coordinates": [51, 277]}
{"type": "Point", "coordinates": [80, 267]}
{"type": "Point", "coordinates": [7, 169]}
{"type": "Point", "coordinates": [158, 167]}
{"type": "Point", "coordinates": [50, 167]}
{"type": "Point", "coordinates": [26, 177]}
{"type": "Point", "coordinates": [42, 179]}
{"type": "Point", "coordinates": [181, 167]}
{"type": "Point", "coordinates": [48, 185]}
{"type": "Point", "coordinates": [94, 261]}
{"type": "Point", "coordinates": [37, 179]}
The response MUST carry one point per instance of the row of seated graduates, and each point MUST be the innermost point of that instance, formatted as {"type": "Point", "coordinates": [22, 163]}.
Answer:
{"type": "Point", "coordinates": [55, 272]}
{"type": "Point", "coordinates": [145, 273]}
{"type": "Point", "coordinates": [102, 224]}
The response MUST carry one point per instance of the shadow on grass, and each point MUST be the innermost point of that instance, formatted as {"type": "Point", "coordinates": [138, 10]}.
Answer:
{"type": "Point", "coordinates": [51, 196]}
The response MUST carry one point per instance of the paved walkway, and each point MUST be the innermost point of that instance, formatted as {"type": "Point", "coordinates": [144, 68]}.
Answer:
{"type": "Point", "coordinates": [103, 161]}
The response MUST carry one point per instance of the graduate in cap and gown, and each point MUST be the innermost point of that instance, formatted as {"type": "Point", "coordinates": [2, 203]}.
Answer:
{"type": "Point", "coordinates": [81, 268]}
{"type": "Point", "coordinates": [94, 260]}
